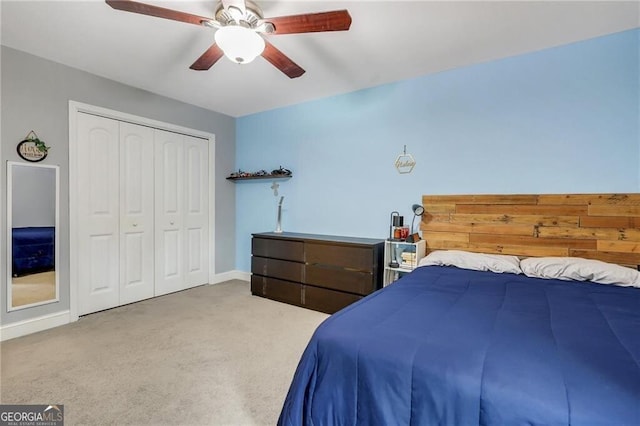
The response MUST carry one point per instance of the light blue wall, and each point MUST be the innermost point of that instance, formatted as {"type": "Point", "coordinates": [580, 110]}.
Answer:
{"type": "Point", "coordinates": [560, 120]}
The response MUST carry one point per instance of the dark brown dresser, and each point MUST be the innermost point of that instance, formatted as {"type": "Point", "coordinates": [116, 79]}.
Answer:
{"type": "Point", "coordinates": [320, 272]}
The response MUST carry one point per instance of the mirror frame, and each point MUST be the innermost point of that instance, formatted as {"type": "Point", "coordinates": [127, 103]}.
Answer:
{"type": "Point", "coordinates": [10, 167]}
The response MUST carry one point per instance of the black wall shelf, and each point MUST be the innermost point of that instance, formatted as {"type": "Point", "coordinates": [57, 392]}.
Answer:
{"type": "Point", "coordinates": [263, 177]}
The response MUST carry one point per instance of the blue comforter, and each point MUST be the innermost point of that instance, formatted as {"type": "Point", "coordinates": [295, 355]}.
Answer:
{"type": "Point", "coordinates": [446, 346]}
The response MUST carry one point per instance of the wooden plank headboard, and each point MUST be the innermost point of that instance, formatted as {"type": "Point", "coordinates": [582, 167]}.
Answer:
{"type": "Point", "coordinates": [594, 226]}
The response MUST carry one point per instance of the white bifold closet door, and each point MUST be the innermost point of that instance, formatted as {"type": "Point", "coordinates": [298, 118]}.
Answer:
{"type": "Point", "coordinates": [143, 212]}
{"type": "Point", "coordinates": [182, 206]}
{"type": "Point", "coordinates": [137, 249]}
{"type": "Point", "coordinates": [98, 213]}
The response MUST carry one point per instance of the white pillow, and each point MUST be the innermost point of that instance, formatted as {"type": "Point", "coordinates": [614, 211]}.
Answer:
{"type": "Point", "coordinates": [475, 261]}
{"type": "Point", "coordinates": [579, 269]}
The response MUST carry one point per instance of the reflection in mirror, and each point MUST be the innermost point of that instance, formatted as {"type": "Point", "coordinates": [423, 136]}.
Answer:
{"type": "Point", "coordinates": [32, 243]}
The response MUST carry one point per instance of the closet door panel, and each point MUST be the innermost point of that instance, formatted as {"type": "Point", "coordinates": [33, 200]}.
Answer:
{"type": "Point", "coordinates": [169, 178]}
{"type": "Point", "coordinates": [196, 218]}
{"type": "Point", "coordinates": [136, 213]}
{"type": "Point", "coordinates": [98, 213]}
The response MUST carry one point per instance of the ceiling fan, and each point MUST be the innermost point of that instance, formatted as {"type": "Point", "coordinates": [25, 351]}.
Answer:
{"type": "Point", "coordinates": [239, 26]}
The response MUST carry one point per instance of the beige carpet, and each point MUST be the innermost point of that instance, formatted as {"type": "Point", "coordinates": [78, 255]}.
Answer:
{"type": "Point", "coordinates": [213, 355]}
{"type": "Point", "coordinates": [33, 288]}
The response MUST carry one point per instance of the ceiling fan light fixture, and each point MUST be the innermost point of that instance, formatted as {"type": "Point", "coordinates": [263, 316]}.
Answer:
{"type": "Point", "coordinates": [239, 44]}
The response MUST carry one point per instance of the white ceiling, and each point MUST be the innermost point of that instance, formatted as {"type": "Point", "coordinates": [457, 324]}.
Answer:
{"type": "Point", "coordinates": [388, 41]}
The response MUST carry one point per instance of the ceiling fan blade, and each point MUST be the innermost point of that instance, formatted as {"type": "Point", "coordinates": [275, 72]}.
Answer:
{"type": "Point", "coordinates": [208, 58]}
{"type": "Point", "coordinates": [337, 20]}
{"type": "Point", "coordinates": [159, 12]}
{"type": "Point", "coordinates": [281, 61]}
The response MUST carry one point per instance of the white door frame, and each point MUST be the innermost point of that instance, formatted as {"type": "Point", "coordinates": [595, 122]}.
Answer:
{"type": "Point", "coordinates": [74, 109]}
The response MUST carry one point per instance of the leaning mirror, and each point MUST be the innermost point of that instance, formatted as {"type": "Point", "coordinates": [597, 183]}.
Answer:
{"type": "Point", "coordinates": [32, 235]}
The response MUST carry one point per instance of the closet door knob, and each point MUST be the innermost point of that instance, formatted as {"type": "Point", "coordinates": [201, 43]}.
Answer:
{"type": "Point", "coordinates": [135, 224]}
{"type": "Point", "coordinates": [171, 223]}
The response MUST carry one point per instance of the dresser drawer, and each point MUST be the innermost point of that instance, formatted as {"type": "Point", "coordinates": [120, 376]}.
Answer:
{"type": "Point", "coordinates": [275, 268]}
{"type": "Point", "coordinates": [352, 257]}
{"type": "Point", "coordinates": [339, 279]}
{"type": "Point", "coordinates": [325, 300]}
{"type": "Point", "coordinates": [278, 249]}
{"type": "Point", "coordinates": [272, 288]}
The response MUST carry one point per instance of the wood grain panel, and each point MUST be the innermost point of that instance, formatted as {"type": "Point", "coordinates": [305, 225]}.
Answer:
{"type": "Point", "coordinates": [582, 199]}
{"type": "Point", "coordinates": [509, 209]}
{"type": "Point", "coordinates": [479, 199]}
{"type": "Point", "coordinates": [581, 233]}
{"type": "Point", "coordinates": [479, 228]}
{"type": "Point", "coordinates": [608, 256]}
{"type": "Point", "coordinates": [613, 210]}
{"type": "Point", "coordinates": [440, 208]}
{"type": "Point", "coordinates": [621, 234]}
{"type": "Point", "coordinates": [608, 222]}
{"type": "Point", "coordinates": [515, 250]}
{"type": "Point", "coordinates": [522, 251]}
{"type": "Point", "coordinates": [430, 217]}
{"type": "Point", "coordinates": [594, 226]}
{"type": "Point", "coordinates": [539, 220]}
{"type": "Point", "coordinates": [517, 240]}
{"type": "Point", "coordinates": [446, 245]}
{"type": "Point", "coordinates": [462, 237]}
{"type": "Point", "coordinates": [619, 246]}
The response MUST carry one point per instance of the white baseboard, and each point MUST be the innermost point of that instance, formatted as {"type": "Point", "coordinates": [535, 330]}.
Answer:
{"type": "Point", "coordinates": [231, 275]}
{"type": "Point", "coordinates": [33, 325]}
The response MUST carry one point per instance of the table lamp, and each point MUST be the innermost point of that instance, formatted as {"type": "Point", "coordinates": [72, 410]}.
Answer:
{"type": "Point", "coordinates": [418, 210]}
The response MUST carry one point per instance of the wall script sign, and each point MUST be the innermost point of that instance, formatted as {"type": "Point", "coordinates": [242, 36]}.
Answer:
{"type": "Point", "coordinates": [405, 162]}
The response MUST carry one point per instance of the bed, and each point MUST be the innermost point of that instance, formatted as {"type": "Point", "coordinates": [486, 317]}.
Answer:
{"type": "Point", "coordinates": [33, 250]}
{"type": "Point", "coordinates": [446, 345]}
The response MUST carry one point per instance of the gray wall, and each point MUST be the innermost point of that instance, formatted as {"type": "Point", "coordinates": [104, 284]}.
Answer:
{"type": "Point", "coordinates": [33, 196]}
{"type": "Point", "coordinates": [35, 94]}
